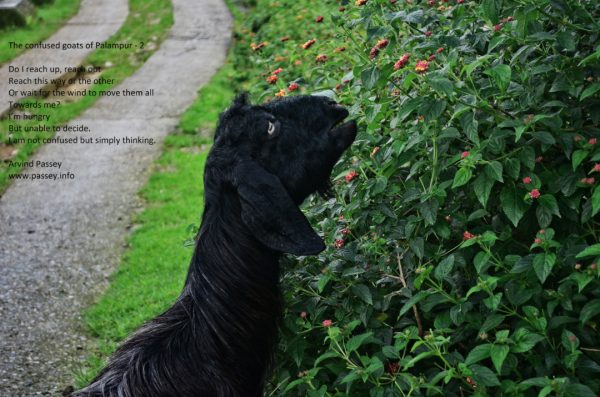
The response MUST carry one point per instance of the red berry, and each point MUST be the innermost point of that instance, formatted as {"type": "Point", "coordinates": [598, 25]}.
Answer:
{"type": "Point", "coordinates": [535, 193]}
{"type": "Point", "coordinates": [327, 323]}
{"type": "Point", "coordinates": [321, 58]}
{"type": "Point", "coordinates": [596, 167]}
{"type": "Point", "coordinates": [292, 87]}
{"type": "Point", "coordinates": [527, 180]}
{"type": "Point", "coordinates": [277, 71]}
{"type": "Point", "coordinates": [593, 266]}
{"type": "Point", "coordinates": [351, 175]}
{"type": "Point", "coordinates": [431, 58]}
{"type": "Point", "coordinates": [382, 43]}
{"type": "Point", "coordinates": [428, 33]}
{"type": "Point", "coordinates": [319, 19]}
{"type": "Point", "coordinates": [464, 154]}
{"type": "Point", "coordinates": [339, 243]}
{"type": "Point", "coordinates": [272, 79]}
{"type": "Point", "coordinates": [592, 141]}
{"type": "Point", "coordinates": [542, 231]}
{"type": "Point", "coordinates": [439, 50]}
{"type": "Point", "coordinates": [303, 314]}
{"type": "Point", "coordinates": [345, 231]}
{"type": "Point", "coordinates": [497, 27]}
{"type": "Point", "coordinates": [467, 235]}
{"type": "Point", "coordinates": [373, 53]}
{"type": "Point", "coordinates": [537, 241]}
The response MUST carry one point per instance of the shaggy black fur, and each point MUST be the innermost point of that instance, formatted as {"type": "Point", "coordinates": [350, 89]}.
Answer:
{"type": "Point", "coordinates": [218, 338]}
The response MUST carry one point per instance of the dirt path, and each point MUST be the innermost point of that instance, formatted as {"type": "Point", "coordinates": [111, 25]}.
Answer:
{"type": "Point", "coordinates": [60, 240]}
{"type": "Point", "coordinates": [96, 21]}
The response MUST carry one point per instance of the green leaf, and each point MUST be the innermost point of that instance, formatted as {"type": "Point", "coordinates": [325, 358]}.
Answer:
{"type": "Point", "coordinates": [590, 310]}
{"type": "Point", "coordinates": [429, 210]}
{"type": "Point", "coordinates": [481, 259]}
{"type": "Point", "coordinates": [380, 185]}
{"type": "Point", "coordinates": [413, 301]}
{"type": "Point", "coordinates": [369, 77]}
{"type": "Point", "coordinates": [417, 245]}
{"type": "Point", "coordinates": [543, 264]}
{"type": "Point", "coordinates": [527, 157]}
{"type": "Point", "coordinates": [591, 90]}
{"type": "Point", "coordinates": [444, 267]}
{"type": "Point", "coordinates": [490, 8]}
{"type": "Point", "coordinates": [478, 62]}
{"type": "Point", "coordinates": [525, 340]}
{"type": "Point", "coordinates": [363, 292]}
{"type": "Point", "coordinates": [549, 202]}
{"type": "Point", "coordinates": [442, 85]}
{"type": "Point", "coordinates": [408, 107]}
{"type": "Point", "coordinates": [432, 109]}
{"type": "Point", "coordinates": [498, 354]}
{"type": "Point", "coordinates": [592, 250]}
{"type": "Point", "coordinates": [492, 322]}
{"type": "Point", "coordinates": [484, 376]}
{"type": "Point", "coordinates": [480, 352]}
{"type": "Point", "coordinates": [512, 204]}
{"type": "Point", "coordinates": [579, 390]}
{"type": "Point", "coordinates": [356, 341]}
{"type": "Point", "coordinates": [596, 201]}
{"type": "Point", "coordinates": [494, 171]}
{"type": "Point", "coordinates": [578, 157]}
{"type": "Point", "coordinates": [322, 283]}
{"type": "Point", "coordinates": [462, 176]}
{"type": "Point", "coordinates": [512, 168]}
{"type": "Point", "coordinates": [482, 187]}
{"type": "Point", "coordinates": [418, 358]}
{"type": "Point", "coordinates": [390, 352]}
{"type": "Point", "coordinates": [501, 75]}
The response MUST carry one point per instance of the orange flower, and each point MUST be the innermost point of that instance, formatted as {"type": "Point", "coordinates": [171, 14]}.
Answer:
{"type": "Point", "coordinates": [361, 2]}
{"type": "Point", "coordinates": [281, 93]}
{"type": "Point", "coordinates": [422, 66]}
{"type": "Point", "coordinates": [272, 79]}
{"type": "Point", "coordinates": [321, 58]}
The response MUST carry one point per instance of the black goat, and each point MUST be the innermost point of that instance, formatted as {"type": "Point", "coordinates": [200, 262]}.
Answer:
{"type": "Point", "coordinates": [217, 340]}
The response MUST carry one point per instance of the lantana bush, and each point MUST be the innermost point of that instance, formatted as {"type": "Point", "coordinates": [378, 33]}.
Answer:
{"type": "Point", "coordinates": [463, 227]}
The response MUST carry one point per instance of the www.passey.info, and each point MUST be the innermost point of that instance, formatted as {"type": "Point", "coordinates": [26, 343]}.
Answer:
{"type": "Point", "coordinates": [39, 171]}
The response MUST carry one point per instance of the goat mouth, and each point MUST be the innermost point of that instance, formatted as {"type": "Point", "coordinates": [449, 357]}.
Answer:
{"type": "Point", "coordinates": [347, 128]}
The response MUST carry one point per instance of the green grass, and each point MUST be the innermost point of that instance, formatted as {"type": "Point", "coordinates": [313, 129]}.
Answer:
{"type": "Point", "coordinates": [154, 267]}
{"type": "Point", "coordinates": [46, 21]}
{"type": "Point", "coordinates": [146, 19]}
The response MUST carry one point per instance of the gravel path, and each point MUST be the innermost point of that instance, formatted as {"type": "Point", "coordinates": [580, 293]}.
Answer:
{"type": "Point", "coordinates": [96, 21]}
{"type": "Point", "coordinates": [60, 240]}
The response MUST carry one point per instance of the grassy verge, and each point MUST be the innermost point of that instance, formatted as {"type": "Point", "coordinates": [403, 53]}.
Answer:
{"type": "Point", "coordinates": [46, 21]}
{"type": "Point", "coordinates": [147, 19]}
{"type": "Point", "coordinates": [153, 270]}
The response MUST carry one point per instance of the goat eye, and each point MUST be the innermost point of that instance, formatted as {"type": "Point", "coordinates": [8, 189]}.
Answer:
{"type": "Point", "coordinates": [271, 128]}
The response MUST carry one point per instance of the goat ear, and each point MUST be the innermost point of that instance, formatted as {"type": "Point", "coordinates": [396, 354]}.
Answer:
{"type": "Point", "coordinates": [271, 214]}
